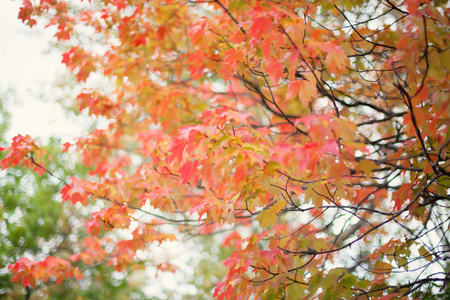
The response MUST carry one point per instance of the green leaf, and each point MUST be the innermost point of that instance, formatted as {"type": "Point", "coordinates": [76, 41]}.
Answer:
{"type": "Point", "coordinates": [348, 280]}
{"type": "Point", "coordinates": [314, 282]}
{"type": "Point", "coordinates": [363, 284]}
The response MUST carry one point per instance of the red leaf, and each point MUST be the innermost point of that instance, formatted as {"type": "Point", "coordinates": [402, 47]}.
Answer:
{"type": "Point", "coordinates": [17, 277]}
{"type": "Point", "coordinates": [336, 60]}
{"type": "Point", "coordinates": [68, 55]}
{"type": "Point", "coordinates": [198, 31]}
{"type": "Point", "coordinates": [293, 89]}
{"type": "Point", "coordinates": [177, 150]}
{"type": "Point", "coordinates": [28, 280]}
{"type": "Point", "coordinates": [275, 69]}
{"type": "Point", "coordinates": [239, 175]}
{"type": "Point", "coordinates": [233, 238]}
{"type": "Point", "coordinates": [92, 226]}
{"type": "Point", "coordinates": [74, 193]}
{"type": "Point", "coordinates": [261, 25]}
{"type": "Point", "coordinates": [66, 147]}
{"type": "Point", "coordinates": [188, 172]}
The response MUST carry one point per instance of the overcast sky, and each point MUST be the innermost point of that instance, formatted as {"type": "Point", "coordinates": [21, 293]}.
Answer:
{"type": "Point", "coordinates": [30, 72]}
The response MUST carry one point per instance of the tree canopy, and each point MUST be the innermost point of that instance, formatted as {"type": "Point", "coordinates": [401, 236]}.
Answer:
{"type": "Point", "coordinates": [310, 137]}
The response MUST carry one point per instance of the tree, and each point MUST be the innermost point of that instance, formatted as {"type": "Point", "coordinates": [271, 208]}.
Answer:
{"type": "Point", "coordinates": [311, 135]}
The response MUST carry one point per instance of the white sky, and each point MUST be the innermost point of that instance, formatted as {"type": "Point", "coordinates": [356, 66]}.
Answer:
{"type": "Point", "coordinates": [30, 72]}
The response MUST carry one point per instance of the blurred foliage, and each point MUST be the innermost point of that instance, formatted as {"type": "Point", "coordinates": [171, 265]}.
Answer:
{"type": "Point", "coordinates": [209, 269]}
{"type": "Point", "coordinates": [34, 223]}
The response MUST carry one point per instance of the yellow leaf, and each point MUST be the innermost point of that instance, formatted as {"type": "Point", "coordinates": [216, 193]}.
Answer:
{"type": "Point", "coordinates": [425, 254]}
{"type": "Point", "coordinates": [366, 166]}
{"type": "Point", "coordinates": [402, 262]}
{"type": "Point", "coordinates": [229, 218]}
{"type": "Point", "coordinates": [266, 218]}
{"type": "Point", "coordinates": [320, 245]}
{"type": "Point", "coordinates": [278, 206]}
{"type": "Point", "coordinates": [337, 61]}
{"type": "Point", "coordinates": [382, 267]}
{"type": "Point", "coordinates": [271, 168]}
{"type": "Point", "coordinates": [445, 59]}
{"type": "Point", "coordinates": [312, 193]}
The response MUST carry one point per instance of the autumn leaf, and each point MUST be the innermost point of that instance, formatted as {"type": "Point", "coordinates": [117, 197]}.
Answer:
{"type": "Point", "coordinates": [274, 69]}
{"type": "Point", "coordinates": [266, 218]}
{"type": "Point", "coordinates": [177, 150]}
{"type": "Point", "coordinates": [336, 60]}
{"type": "Point", "coordinates": [260, 26]}
{"type": "Point", "coordinates": [189, 172]}
{"type": "Point", "coordinates": [383, 267]}
{"type": "Point", "coordinates": [293, 89]}
{"type": "Point", "coordinates": [74, 194]}
{"type": "Point", "coordinates": [425, 254]}
{"type": "Point", "coordinates": [366, 166]}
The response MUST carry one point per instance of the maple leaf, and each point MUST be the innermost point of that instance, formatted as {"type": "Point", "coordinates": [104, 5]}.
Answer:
{"type": "Point", "coordinates": [189, 172]}
{"type": "Point", "coordinates": [74, 193]}
{"type": "Point", "coordinates": [234, 237]}
{"type": "Point", "coordinates": [177, 150]}
{"type": "Point", "coordinates": [26, 11]}
{"type": "Point", "coordinates": [336, 60]}
{"type": "Point", "coordinates": [232, 58]}
{"type": "Point", "coordinates": [68, 55]}
{"type": "Point", "coordinates": [266, 218]}
{"type": "Point", "coordinates": [261, 25]}
{"type": "Point", "coordinates": [293, 89]}
{"type": "Point", "coordinates": [198, 30]}
{"type": "Point", "coordinates": [92, 227]}
{"type": "Point", "coordinates": [275, 69]}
